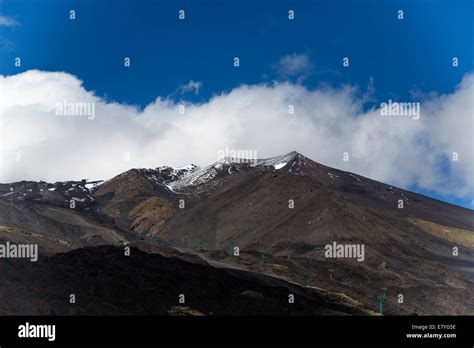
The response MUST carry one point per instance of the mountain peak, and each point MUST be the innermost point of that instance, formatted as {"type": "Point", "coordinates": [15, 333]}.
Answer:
{"type": "Point", "coordinates": [293, 153]}
{"type": "Point", "coordinates": [281, 161]}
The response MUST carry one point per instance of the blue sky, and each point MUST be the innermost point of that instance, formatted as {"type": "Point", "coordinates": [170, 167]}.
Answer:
{"type": "Point", "coordinates": [394, 57]}
{"type": "Point", "coordinates": [167, 52]}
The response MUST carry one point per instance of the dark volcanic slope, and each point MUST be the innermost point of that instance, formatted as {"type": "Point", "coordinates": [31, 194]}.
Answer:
{"type": "Point", "coordinates": [132, 196]}
{"type": "Point", "coordinates": [203, 212]}
{"type": "Point", "coordinates": [407, 250]}
{"type": "Point", "coordinates": [251, 211]}
{"type": "Point", "coordinates": [105, 281]}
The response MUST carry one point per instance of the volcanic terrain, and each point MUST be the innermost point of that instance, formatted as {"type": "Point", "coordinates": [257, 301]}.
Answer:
{"type": "Point", "coordinates": [234, 238]}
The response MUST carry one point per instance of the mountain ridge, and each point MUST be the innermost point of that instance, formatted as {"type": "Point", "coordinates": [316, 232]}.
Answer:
{"type": "Point", "coordinates": [280, 212]}
{"type": "Point", "coordinates": [169, 176]}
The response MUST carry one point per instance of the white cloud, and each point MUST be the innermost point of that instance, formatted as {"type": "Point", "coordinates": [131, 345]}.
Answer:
{"type": "Point", "coordinates": [293, 65]}
{"type": "Point", "coordinates": [326, 123]}
{"type": "Point", "coordinates": [191, 86]}
{"type": "Point", "coordinates": [7, 21]}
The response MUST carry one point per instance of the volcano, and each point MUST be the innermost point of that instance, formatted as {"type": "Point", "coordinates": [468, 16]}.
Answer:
{"type": "Point", "coordinates": [267, 221]}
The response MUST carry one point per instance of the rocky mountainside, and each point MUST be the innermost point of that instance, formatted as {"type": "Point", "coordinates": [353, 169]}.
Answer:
{"type": "Point", "coordinates": [280, 213]}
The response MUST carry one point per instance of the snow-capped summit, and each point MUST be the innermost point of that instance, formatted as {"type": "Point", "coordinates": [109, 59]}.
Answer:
{"type": "Point", "coordinates": [229, 166]}
{"type": "Point", "coordinates": [279, 162]}
{"type": "Point", "coordinates": [198, 176]}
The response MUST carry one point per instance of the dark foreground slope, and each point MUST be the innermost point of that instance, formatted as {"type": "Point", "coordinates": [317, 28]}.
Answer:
{"type": "Point", "coordinates": [104, 282]}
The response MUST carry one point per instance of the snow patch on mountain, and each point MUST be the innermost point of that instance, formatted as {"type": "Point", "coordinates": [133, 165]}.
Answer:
{"type": "Point", "coordinates": [279, 165]}
{"type": "Point", "coordinates": [196, 177]}
{"type": "Point", "coordinates": [278, 160]}
{"type": "Point", "coordinates": [226, 166]}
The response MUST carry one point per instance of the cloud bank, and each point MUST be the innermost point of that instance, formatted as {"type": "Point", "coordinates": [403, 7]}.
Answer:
{"type": "Point", "coordinates": [37, 143]}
